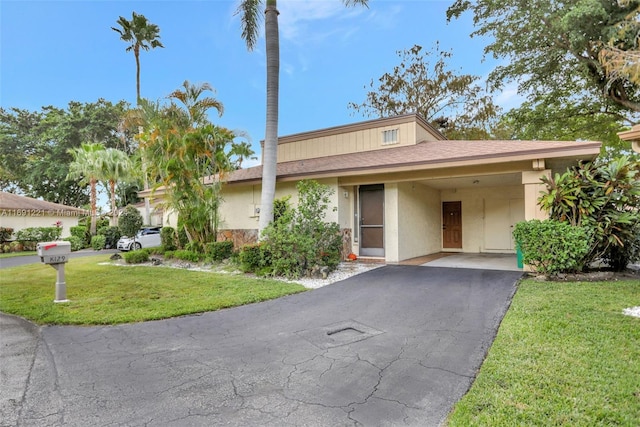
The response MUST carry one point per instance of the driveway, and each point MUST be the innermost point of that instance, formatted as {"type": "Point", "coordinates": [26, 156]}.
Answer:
{"type": "Point", "coordinates": [398, 345]}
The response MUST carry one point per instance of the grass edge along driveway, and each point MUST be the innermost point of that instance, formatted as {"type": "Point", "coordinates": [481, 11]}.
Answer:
{"type": "Point", "coordinates": [105, 294]}
{"type": "Point", "coordinates": [564, 355]}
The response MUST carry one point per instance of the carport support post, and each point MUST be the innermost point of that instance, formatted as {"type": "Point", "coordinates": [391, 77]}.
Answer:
{"type": "Point", "coordinates": [61, 284]}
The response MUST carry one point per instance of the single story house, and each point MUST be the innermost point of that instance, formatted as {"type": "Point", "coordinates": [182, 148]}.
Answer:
{"type": "Point", "coordinates": [19, 212]}
{"type": "Point", "coordinates": [402, 190]}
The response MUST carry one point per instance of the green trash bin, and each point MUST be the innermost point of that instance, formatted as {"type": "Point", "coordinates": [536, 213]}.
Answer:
{"type": "Point", "coordinates": [519, 256]}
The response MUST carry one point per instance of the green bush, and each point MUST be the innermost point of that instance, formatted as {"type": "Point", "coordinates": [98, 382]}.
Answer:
{"type": "Point", "coordinates": [186, 255]}
{"type": "Point", "coordinates": [76, 243]}
{"type": "Point", "coordinates": [97, 242]}
{"type": "Point", "coordinates": [136, 257]}
{"type": "Point", "coordinates": [551, 246]}
{"type": "Point", "coordinates": [168, 254]}
{"type": "Point", "coordinates": [82, 233]}
{"type": "Point", "coordinates": [169, 238]}
{"type": "Point", "coordinates": [300, 239]}
{"type": "Point", "coordinates": [218, 251]}
{"type": "Point", "coordinates": [252, 257]}
{"type": "Point", "coordinates": [194, 247]}
{"type": "Point", "coordinates": [130, 221]}
{"type": "Point", "coordinates": [111, 235]}
{"type": "Point", "coordinates": [29, 237]}
{"type": "Point", "coordinates": [183, 239]}
{"type": "Point", "coordinates": [5, 234]}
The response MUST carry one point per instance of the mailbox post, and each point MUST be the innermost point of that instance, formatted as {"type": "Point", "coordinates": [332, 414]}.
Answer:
{"type": "Point", "coordinates": [56, 254]}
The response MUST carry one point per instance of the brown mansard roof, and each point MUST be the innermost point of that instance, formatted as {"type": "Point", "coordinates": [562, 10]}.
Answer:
{"type": "Point", "coordinates": [424, 155]}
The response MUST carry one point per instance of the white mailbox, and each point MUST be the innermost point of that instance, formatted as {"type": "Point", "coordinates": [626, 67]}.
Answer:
{"type": "Point", "coordinates": [54, 252]}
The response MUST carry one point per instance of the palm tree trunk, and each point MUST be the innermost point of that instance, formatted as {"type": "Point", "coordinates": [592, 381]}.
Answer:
{"type": "Point", "coordinates": [93, 199]}
{"type": "Point", "coordinates": [112, 189]}
{"type": "Point", "coordinates": [136, 53]}
{"type": "Point", "coordinates": [270, 151]}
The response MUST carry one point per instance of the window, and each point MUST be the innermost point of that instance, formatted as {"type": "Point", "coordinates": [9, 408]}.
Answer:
{"type": "Point", "coordinates": [390, 137]}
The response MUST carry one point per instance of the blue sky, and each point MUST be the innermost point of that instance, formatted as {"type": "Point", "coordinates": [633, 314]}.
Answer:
{"type": "Point", "coordinates": [53, 52]}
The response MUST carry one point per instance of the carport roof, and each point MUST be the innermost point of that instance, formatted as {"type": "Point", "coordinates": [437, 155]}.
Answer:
{"type": "Point", "coordinates": [424, 155]}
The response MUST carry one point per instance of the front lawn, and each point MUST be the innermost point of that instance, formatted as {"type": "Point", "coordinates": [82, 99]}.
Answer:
{"type": "Point", "coordinates": [107, 294]}
{"type": "Point", "coordinates": [565, 355]}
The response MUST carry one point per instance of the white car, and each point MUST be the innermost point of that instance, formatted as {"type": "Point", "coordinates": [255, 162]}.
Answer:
{"type": "Point", "coordinates": [147, 237]}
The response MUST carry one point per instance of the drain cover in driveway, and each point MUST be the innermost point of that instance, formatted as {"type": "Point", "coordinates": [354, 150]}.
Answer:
{"type": "Point", "coordinates": [337, 334]}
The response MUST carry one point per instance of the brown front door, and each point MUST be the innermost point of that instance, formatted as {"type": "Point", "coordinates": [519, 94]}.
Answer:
{"type": "Point", "coordinates": [452, 225]}
{"type": "Point", "coordinates": [372, 220]}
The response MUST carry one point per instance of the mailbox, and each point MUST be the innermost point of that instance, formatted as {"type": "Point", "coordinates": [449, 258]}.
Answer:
{"type": "Point", "coordinates": [54, 252]}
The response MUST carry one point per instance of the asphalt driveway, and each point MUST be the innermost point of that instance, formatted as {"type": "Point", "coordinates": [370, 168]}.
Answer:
{"type": "Point", "coordinates": [398, 345]}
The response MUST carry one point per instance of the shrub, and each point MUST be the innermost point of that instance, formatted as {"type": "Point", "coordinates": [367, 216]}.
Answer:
{"type": "Point", "coordinates": [97, 242]}
{"type": "Point", "coordinates": [603, 197]}
{"type": "Point", "coordinates": [76, 243]}
{"type": "Point", "coordinates": [300, 239]}
{"type": "Point", "coordinates": [136, 257]}
{"type": "Point", "coordinates": [183, 239]}
{"type": "Point", "coordinates": [168, 254]}
{"type": "Point", "coordinates": [29, 237]}
{"type": "Point", "coordinates": [111, 235]}
{"type": "Point", "coordinates": [552, 246]}
{"type": "Point", "coordinates": [219, 250]}
{"type": "Point", "coordinates": [82, 233]}
{"type": "Point", "coordinates": [252, 257]}
{"type": "Point", "coordinates": [186, 255]}
{"type": "Point", "coordinates": [5, 234]}
{"type": "Point", "coordinates": [194, 247]}
{"type": "Point", "coordinates": [130, 221]}
{"type": "Point", "coordinates": [169, 238]}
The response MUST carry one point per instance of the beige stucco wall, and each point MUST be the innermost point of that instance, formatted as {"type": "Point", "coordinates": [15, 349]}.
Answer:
{"type": "Point", "coordinates": [240, 203]}
{"type": "Point", "coordinates": [418, 220]}
{"type": "Point", "coordinates": [474, 201]}
{"type": "Point", "coordinates": [19, 222]}
{"type": "Point", "coordinates": [533, 186]}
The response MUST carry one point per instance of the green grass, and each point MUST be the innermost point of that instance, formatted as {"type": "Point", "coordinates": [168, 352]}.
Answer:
{"type": "Point", "coordinates": [107, 294]}
{"type": "Point", "coordinates": [16, 254]}
{"type": "Point", "coordinates": [565, 355]}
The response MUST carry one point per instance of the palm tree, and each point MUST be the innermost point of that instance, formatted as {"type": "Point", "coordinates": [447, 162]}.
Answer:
{"type": "Point", "coordinates": [249, 11]}
{"type": "Point", "coordinates": [116, 166]}
{"type": "Point", "coordinates": [87, 167]}
{"type": "Point", "coordinates": [195, 106]}
{"type": "Point", "coordinates": [139, 33]}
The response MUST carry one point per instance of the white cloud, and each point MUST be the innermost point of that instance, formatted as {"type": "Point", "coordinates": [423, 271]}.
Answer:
{"type": "Point", "coordinates": [509, 97]}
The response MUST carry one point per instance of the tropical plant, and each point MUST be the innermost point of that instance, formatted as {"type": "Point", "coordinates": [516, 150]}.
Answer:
{"type": "Point", "coordinates": [190, 157]}
{"type": "Point", "coordinates": [87, 166]}
{"type": "Point", "coordinates": [454, 104]}
{"type": "Point", "coordinates": [604, 198]}
{"type": "Point", "coordinates": [139, 33]}
{"type": "Point", "coordinates": [249, 11]}
{"type": "Point", "coordinates": [116, 167]}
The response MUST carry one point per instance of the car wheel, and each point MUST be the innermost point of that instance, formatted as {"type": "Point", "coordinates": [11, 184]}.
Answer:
{"type": "Point", "coordinates": [137, 246]}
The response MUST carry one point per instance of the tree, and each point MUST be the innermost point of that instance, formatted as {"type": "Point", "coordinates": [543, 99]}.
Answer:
{"type": "Point", "coordinates": [454, 104]}
{"type": "Point", "coordinates": [116, 167]}
{"type": "Point", "coordinates": [130, 221]}
{"type": "Point", "coordinates": [34, 146]}
{"type": "Point", "coordinates": [250, 20]}
{"type": "Point", "coordinates": [87, 166]}
{"type": "Point", "coordinates": [553, 51]}
{"type": "Point", "coordinates": [139, 33]}
{"type": "Point", "coordinates": [190, 156]}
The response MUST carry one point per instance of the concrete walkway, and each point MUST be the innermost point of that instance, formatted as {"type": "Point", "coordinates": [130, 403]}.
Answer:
{"type": "Point", "coordinates": [398, 345]}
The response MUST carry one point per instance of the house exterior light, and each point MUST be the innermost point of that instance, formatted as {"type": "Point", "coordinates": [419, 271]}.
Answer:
{"type": "Point", "coordinates": [632, 135]}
